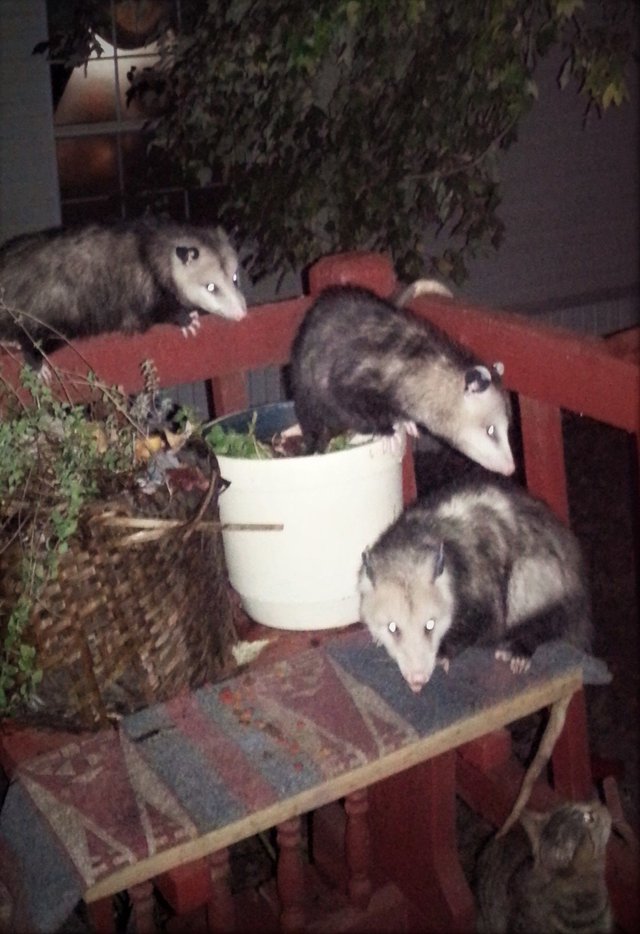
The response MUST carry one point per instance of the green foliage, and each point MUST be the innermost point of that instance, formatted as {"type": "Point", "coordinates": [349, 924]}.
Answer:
{"type": "Point", "coordinates": [52, 462]}
{"type": "Point", "coordinates": [233, 443]}
{"type": "Point", "coordinates": [363, 124]}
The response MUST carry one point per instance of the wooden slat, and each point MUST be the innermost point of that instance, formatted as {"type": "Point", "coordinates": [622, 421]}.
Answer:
{"type": "Point", "coordinates": [543, 446]}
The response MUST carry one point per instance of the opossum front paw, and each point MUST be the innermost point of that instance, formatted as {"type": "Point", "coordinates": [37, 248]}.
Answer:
{"type": "Point", "coordinates": [517, 663]}
{"type": "Point", "coordinates": [45, 373]}
{"type": "Point", "coordinates": [194, 326]}
{"type": "Point", "coordinates": [394, 443]}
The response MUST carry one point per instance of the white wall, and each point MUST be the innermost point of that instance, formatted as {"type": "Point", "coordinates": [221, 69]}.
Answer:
{"type": "Point", "coordinates": [29, 196]}
{"type": "Point", "coordinates": [571, 209]}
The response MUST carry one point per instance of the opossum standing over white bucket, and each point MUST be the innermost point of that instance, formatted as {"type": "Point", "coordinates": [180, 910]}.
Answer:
{"type": "Point", "coordinates": [67, 283]}
{"type": "Point", "coordinates": [363, 364]}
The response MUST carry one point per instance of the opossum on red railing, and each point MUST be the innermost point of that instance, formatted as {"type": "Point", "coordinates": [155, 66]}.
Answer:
{"type": "Point", "coordinates": [67, 283]}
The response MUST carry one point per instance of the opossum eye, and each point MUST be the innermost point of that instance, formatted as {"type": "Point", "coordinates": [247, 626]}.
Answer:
{"type": "Point", "coordinates": [393, 628]}
{"type": "Point", "coordinates": [491, 431]}
{"type": "Point", "coordinates": [430, 625]}
{"type": "Point", "coordinates": [211, 287]}
{"type": "Point", "coordinates": [235, 278]}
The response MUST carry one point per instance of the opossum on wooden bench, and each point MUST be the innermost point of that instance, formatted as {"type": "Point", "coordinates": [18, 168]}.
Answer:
{"type": "Point", "coordinates": [474, 563]}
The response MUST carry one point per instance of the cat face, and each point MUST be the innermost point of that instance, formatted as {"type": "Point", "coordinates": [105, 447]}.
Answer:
{"type": "Point", "coordinates": [547, 873]}
{"type": "Point", "coordinates": [573, 835]}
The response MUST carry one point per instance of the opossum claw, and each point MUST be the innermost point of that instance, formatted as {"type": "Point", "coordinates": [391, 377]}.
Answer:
{"type": "Point", "coordinates": [45, 373]}
{"type": "Point", "coordinates": [394, 443]}
{"type": "Point", "coordinates": [195, 325]}
{"type": "Point", "coordinates": [517, 663]}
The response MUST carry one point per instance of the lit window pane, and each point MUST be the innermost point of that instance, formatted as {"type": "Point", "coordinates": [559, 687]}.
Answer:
{"type": "Point", "coordinates": [87, 166]}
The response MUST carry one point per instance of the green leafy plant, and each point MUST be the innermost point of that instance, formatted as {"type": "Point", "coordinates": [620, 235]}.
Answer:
{"type": "Point", "coordinates": [232, 443]}
{"type": "Point", "coordinates": [238, 443]}
{"type": "Point", "coordinates": [55, 457]}
{"type": "Point", "coordinates": [363, 124]}
{"type": "Point", "coordinates": [353, 124]}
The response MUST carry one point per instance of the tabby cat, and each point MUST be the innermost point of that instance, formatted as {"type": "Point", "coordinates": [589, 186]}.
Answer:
{"type": "Point", "coordinates": [547, 874]}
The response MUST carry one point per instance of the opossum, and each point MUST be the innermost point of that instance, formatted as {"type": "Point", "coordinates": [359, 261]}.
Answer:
{"type": "Point", "coordinates": [69, 283]}
{"type": "Point", "coordinates": [361, 363]}
{"type": "Point", "coordinates": [474, 563]}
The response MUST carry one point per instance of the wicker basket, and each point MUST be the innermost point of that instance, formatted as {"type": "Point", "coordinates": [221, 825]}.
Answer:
{"type": "Point", "coordinates": [133, 616]}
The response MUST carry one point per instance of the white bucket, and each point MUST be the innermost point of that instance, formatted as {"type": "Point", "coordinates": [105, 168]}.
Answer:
{"type": "Point", "coordinates": [332, 507]}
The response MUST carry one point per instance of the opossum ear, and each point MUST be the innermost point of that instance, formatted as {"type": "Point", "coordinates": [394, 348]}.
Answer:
{"type": "Point", "coordinates": [187, 253]}
{"type": "Point", "coordinates": [366, 565]}
{"type": "Point", "coordinates": [477, 379]}
{"type": "Point", "coordinates": [498, 366]}
{"type": "Point", "coordinates": [438, 566]}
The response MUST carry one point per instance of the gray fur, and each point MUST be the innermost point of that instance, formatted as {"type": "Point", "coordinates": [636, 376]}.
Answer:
{"type": "Point", "coordinates": [70, 283]}
{"type": "Point", "coordinates": [547, 874]}
{"type": "Point", "coordinates": [475, 563]}
{"type": "Point", "coordinates": [362, 364]}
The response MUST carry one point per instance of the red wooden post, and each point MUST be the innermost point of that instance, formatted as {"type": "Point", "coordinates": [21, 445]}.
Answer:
{"type": "Point", "coordinates": [544, 453]}
{"type": "Point", "coordinates": [413, 833]}
{"type": "Point", "coordinates": [185, 887]}
{"type": "Point", "coordinates": [102, 916]}
{"type": "Point", "coordinates": [220, 908]}
{"type": "Point", "coordinates": [371, 270]}
{"type": "Point", "coordinates": [409, 487]}
{"type": "Point", "coordinates": [143, 903]}
{"type": "Point", "coordinates": [230, 393]}
{"type": "Point", "coordinates": [545, 473]}
{"type": "Point", "coordinates": [358, 848]}
{"type": "Point", "coordinates": [290, 875]}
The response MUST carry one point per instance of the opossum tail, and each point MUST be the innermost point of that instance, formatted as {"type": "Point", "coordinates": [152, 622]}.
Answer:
{"type": "Point", "coordinates": [421, 287]}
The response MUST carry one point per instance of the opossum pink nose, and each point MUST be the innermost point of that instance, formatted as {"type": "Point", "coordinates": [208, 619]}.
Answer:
{"type": "Point", "coordinates": [508, 467]}
{"type": "Point", "coordinates": [417, 682]}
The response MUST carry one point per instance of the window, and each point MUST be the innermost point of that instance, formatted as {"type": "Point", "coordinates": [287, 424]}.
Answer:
{"type": "Point", "coordinates": [104, 169]}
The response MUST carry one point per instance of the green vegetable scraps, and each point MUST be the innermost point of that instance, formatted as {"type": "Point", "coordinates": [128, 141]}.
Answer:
{"type": "Point", "coordinates": [232, 443]}
{"type": "Point", "coordinates": [238, 443]}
